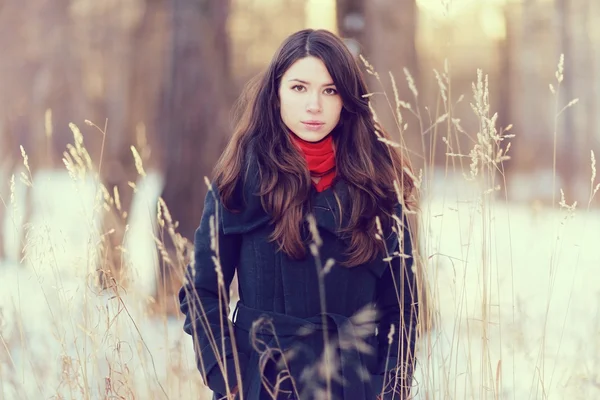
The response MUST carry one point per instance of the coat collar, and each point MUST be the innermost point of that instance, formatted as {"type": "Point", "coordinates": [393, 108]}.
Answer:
{"type": "Point", "coordinates": [327, 206]}
{"type": "Point", "coordinates": [252, 214]}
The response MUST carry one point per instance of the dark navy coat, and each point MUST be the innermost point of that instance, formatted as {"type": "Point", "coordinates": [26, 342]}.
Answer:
{"type": "Point", "coordinates": [278, 328]}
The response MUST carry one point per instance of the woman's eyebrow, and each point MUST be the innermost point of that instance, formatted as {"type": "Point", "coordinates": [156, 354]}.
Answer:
{"type": "Point", "coordinates": [308, 83]}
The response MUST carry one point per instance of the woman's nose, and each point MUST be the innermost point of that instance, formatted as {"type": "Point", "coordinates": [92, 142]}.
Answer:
{"type": "Point", "coordinates": [314, 104]}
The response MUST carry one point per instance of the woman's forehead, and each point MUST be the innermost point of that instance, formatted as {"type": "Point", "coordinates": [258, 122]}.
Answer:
{"type": "Point", "coordinates": [309, 71]}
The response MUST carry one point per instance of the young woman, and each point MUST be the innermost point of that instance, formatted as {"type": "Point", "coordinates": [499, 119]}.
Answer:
{"type": "Point", "coordinates": [307, 207]}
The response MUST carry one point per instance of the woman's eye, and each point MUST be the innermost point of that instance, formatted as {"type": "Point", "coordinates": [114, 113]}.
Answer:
{"type": "Point", "coordinates": [330, 91]}
{"type": "Point", "coordinates": [298, 88]}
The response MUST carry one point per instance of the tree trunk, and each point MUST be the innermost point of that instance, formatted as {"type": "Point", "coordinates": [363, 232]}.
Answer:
{"type": "Point", "coordinates": [566, 168]}
{"type": "Point", "coordinates": [506, 53]}
{"type": "Point", "coordinates": [195, 114]}
{"type": "Point", "coordinates": [594, 9]}
{"type": "Point", "coordinates": [118, 66]}
{"type": "Point", "coordinates": [579, 53]}
{"type": "Point", "coordinates": [390, 47]}
{"type": "Point", "coordinates": [351, 24]}
{"type": "Point", "coordinates": [149, 63]}
{"type": "Point", "coordinates": [384, 33]}
{"type": "Point", "coordinates": [37, 59]}
{"type": "Point", "coordinates": [532, 111]}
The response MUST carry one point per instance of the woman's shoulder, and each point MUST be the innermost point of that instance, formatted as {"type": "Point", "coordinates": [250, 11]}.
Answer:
{"type": "Point", "coordinates": [247, 212]}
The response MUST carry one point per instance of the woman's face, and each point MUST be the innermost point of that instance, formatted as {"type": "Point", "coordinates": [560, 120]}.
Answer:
{"type": "Point", "coordinates": [310, 103]}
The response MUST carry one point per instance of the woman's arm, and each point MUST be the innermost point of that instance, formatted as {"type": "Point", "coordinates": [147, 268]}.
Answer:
{"type": "Point", "coordinates": [204, 300]}
{"type": "Point", "coordinates": [397, 303]}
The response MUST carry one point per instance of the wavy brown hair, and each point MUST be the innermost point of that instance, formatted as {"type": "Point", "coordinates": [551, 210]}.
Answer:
{"type": "Point", "coordinates": [365, 163]}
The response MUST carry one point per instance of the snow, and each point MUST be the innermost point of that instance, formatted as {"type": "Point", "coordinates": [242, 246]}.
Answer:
{"type": "Point", "coordinates": [59, 338]}
{"type": "Point", "coordinates": [543, 324]}
{"type": "Point", "coordinates": [59, 333]}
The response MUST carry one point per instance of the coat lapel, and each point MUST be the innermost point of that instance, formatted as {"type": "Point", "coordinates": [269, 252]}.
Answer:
{"type": "Point", "coordinates": [326, 208]}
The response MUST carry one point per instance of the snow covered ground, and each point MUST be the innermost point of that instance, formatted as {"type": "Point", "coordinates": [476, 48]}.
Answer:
{"type": "Point", "coordinates": [543, 314]}
{"type": "Point", "coordinates": [58, 339]}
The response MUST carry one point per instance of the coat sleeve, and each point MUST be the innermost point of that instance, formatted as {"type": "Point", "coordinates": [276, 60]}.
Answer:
{"type": "Point", "coordinates": [397, 302]}
{"type": "Point", "coordinates": [204, 300]}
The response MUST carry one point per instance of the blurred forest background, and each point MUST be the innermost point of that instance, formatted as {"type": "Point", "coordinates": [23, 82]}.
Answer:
{"type": "Point", "coordinates": [163, 75]}
{"type": "Point", "coordinates": [158, 79]}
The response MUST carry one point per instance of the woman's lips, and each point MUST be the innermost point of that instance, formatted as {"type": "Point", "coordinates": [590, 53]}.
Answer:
{"type": "Point", "coordinates": [313, 125]}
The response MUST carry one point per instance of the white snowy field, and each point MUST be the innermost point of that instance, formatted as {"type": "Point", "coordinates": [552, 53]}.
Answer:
{"type": "Point", "coordinates": [514, 289]}
{"type": "Point", "coordinates": [537, 334]}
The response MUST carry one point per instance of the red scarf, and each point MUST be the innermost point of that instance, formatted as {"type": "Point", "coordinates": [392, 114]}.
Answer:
{"type": "Point", "coordinates": [320, 158]}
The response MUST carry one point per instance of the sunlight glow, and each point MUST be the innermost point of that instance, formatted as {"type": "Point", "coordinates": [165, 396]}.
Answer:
{"type": "Point", "coordinates": [490, 12]}
{"type": "Point", "coordinates": [453, 8]}
{"type": "Point", "coordinates": [321, 14]}
{"type": "Point", "coordinates": [493, 22]}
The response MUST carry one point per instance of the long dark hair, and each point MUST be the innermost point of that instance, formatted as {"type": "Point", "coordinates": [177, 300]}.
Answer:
{"type": "Point", "coordinates": [365, 163]}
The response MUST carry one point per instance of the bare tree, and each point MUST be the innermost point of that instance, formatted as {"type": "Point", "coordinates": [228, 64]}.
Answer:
{"type": "Point", "coordinates": [79, 63]}
{"type": "Point", "coordinates": [109, 54]}
{"type": "Point", "coordinates": [577, 123]}
{"type": "Point", "coordinates": [565, 163]}
{"type": "Point", "coordinates": [594, 31]}
{"type": "Point", "coordinates": [351, 24]}
{"type": "Point", "coordinates": [384, 33]}
{"type": "Point", "coordinates": [506, 55]}
{"type": "Point", "coordinates": [195, 108]}
{"type": "Point", "coordinates": [149, 60]}
{"type": "Point", "coordinates": [37, 77]}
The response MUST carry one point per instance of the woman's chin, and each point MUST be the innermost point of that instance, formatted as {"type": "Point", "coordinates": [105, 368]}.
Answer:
{"type": "Point", "coordinates": [311, 136]}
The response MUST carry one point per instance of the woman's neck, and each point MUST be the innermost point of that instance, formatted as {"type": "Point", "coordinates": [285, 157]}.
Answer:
{"type": "Point", "coordinates": [320, 159]}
